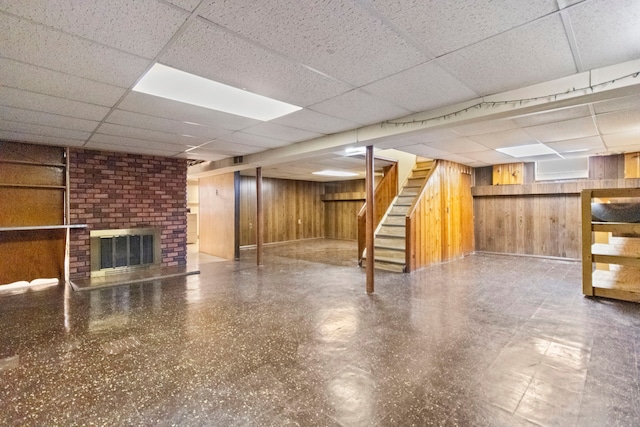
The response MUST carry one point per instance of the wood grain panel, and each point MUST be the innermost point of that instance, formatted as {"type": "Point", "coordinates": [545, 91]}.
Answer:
{"type": "Point", "coordinates": [285, 202]}
{"type": "Point", "coordinates": [31, 153]}
{"type": "Point", "coordinates": [632, 165]}
{"type": "Point", "coordinates": [217, 214]}
{"type": "Point", "coordinates": [29, 255]}
{"type": "Point", "coordinates": [440, 224]}
{"type": "Point", "coordinates": [508, 174]}
{"type": "Point", "coordinates": [31, 206]}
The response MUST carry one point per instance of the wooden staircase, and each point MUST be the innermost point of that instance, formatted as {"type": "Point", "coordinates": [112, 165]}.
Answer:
{"type": "Point", "coordinates": [389, 242]}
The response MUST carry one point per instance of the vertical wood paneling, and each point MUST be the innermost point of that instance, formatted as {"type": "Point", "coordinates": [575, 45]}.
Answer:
{"type": "Point", "coordinates": [217, 215]}
{"type": "Point", "coordinates": [631, 165]}
{"type": "Point", "coordinates": [607, 167]}
{"type": "Point", "coordinates": [508, 174]}
{"type": "Point", "coordinates": [441, 225]}
{"type": "Point", "coordinates": [285, 202]}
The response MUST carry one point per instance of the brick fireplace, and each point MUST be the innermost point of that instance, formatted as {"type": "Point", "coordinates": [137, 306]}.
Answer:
{"type": "Point", "coordinates": [112, 191]}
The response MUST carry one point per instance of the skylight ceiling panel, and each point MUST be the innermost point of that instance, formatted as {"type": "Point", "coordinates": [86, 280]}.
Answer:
{"type": "Point", "coordinates": [553, 116]}
{"type": "Point", "coordinates": [160, 107]}
{"type": "Point", "coordinates": [33, 101]}
{"type": "Point", "coordinates": [503, 139]}
{"type": "Point", "coordinates": [210, 52]}
{"type": "Point", "coordinates": [577, 145]}
{"type": "Point", "coordinates": [47, 119]}
{"type": "Point", "coordinates": [619, 121]}
{"type": "Point", "coordinates": [421, 88]}
{"type": "Point", "coordinates": [39, 130]}
{"type": "Point", "coordinates": [162, 148]}
{"type": "Point", "coordinates": [161, 124]}
{"type": "Point", "coordinates": [340, 38]}
{"type": "Point", "coordinates": [526, 55]}
{"type": "Point", "coordinates": [568, 129]}
{"type": "Point", "coordinates": [49, 48]}
{"type": "Point", "coordinates": [263, 142]}
{"type": "Point", "coordinates": [315, 122]}
{"type": "Point", "coordinates": [41, 80]}
{"type": "Point", "coordinates": [141, 27]}
{"type": "Point", "coordinates": [284, 133]}
{"type": "Point", "coordinates": [149, 135]}
{"type": "Point", "coordinates": [46, 140]}
{"type": "Point", "coordinates": [359, 107]}
{"type": "Point", "coordinates": [445, 26]}
{"type": "Point", "coordinates": [607, 31]}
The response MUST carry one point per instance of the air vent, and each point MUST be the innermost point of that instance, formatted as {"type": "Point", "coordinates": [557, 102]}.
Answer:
{"type": "Point", "coordinates": [237, 160]}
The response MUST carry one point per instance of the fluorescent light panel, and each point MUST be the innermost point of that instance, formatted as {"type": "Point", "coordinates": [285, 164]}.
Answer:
{"type": "Point", "coordinates": [527, 150]}
{"type": "Point", "coordinates": [170, 83]}
{"type": "Point", "coordinates": [335, 173]}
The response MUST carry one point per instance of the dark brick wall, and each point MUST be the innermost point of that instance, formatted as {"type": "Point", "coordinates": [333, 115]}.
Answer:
{"type": "Point", "coordinates": [116, 190]}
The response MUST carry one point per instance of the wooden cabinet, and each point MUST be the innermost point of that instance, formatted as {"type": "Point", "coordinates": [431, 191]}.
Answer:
{"type": "Point", "coordinates": [611, 247]}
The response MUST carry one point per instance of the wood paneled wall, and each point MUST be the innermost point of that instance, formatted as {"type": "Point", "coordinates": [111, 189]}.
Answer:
{"type": "Point", "coordinates": [440, 226]}
{"type": "Point", "coordinates": [293, 210]}
{"type": "Point", "coordinates": [632, 165]}
{"type": "Point", "coordinates": [217, 215]}
{"type": "Point", "coordinates": [341, 217]}
{"type": "Point", "coordinates": [508, 174]}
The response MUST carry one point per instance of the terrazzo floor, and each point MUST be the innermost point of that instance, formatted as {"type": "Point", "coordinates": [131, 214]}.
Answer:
{"type": "Point", "coordinates": [488, 340]}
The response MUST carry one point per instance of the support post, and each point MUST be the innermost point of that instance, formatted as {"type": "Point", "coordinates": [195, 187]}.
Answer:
{"type": "Point", "coordinates": [236, 215]}
{"type": "Point", "coordinates": [259, 217]}
{"type": "Point", "coordinates": [369, 215]}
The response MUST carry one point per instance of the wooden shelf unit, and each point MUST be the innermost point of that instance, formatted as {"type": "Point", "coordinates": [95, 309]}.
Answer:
{"type": "Point", "coordinates": [613, 283]}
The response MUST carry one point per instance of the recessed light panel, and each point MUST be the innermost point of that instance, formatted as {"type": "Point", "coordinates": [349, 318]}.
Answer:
{"type": "Point", "coordinates": [527, 150]}
{"type": "Point", "coordinates": [170, 83]}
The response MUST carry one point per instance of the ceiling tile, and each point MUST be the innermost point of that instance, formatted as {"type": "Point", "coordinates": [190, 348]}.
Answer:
{"type": "Point", "coordinates": [491, 157]}
{"type": "Point", "coordinates": [228, 148]}
{"type": "Point", "coordinates": [606, 31]}
{"type": "Point", "coordinates": [47, 119]}
{"type": "Point", "coordinates": [38, 130]}
{"type": "Point", "coordinates": [154, 106]}
{"type": "Point", "coordinates": [339, 38]}
{"type": "Point", "coordinates": [161, 124]}
{"type": "Point", "coordinates": [559, 131]}
{"type": "Point", "coordinates": [458, 146]}
{"type": "Point", "coordinates": [424, 151]}
{"type": "Point", "coordinates": [619, 121]}
{"type": "Point", "coordinates": [315, 122]}
{"type": "Point", "coordinates": [131, 26]}
{"type": "Point", "coordinates": [486, 127]}
{"type": "Point", "coordinates": [438, 135]}
{"type": "Point", "coordinates": [421, 88]}
{"type": "Point", "coordinates": [35, 79]}
{"type": "Point", "coordinates": [262, 142]}
{"type": "Point", "coordinates": [359, 107]}
{"type": "Point", "coordinates": [632, 148]}
{"type": "Point", "coordinates": [626, 138]}
{"type": "Point", "coordinates": [126, 148]}
{"type": "Point", "coordinates": [134, 143]}
{"type": "Point", "coordinates": [457, 158]}
{"type": "Point", "coordinates": [617, 104]}
{"type": "Point", "coordinates": [573, 145]}
{"type": "Point", "coordinates": [503, 139]}
{"type": "Point", "coordinates": [284, 133]}
{"type": "Point", "coordinates": [209, 51]}
{"type": "Point", "coordinates": [149, 135]}
{"type": "Point", "coordinates": [553, 116]}
{"type": "Point", "coordinates": [39, 139]}
{"type": "Point", "coordinates": [33, 101]}
{"type": "Point", "coordinates": [49, 48]}
{"type": "Point", "coordinates": [588, 153]}
{"type": "Point", "coordinates": [199, 155]}
{"type": "Point", "coordinates": [445, 26]}
{"type": "Point", "coordinates": [530, 54]}
{"type": "Point", "coordinates": [188, 5]}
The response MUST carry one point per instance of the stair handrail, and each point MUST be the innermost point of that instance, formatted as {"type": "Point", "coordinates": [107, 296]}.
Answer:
{"type": "Point", "coordinates": [410, 217]}
{"type": "Point", "coordinates": [389, 182]}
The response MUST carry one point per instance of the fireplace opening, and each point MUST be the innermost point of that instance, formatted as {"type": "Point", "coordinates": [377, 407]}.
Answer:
{"type": "Point", "coordinates": [119, 250]}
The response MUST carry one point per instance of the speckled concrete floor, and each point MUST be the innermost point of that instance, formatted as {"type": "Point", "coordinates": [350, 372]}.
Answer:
{"type": "Point", "coordinates": [488, 340]}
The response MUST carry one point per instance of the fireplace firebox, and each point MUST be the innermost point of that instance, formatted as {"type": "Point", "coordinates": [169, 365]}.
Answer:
{"type": "Point", "coordinates": [116, 251]}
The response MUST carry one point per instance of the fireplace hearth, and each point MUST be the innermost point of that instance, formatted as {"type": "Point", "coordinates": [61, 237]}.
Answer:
{"type": "Point", "coordinates": [116, 251]}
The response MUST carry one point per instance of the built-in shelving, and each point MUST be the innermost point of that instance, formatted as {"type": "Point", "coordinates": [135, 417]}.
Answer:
{"type": "Point", "coordinates": [617, 259]}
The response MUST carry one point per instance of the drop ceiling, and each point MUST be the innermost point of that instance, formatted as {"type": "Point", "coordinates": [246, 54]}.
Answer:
{"type": "Point", "coordinates": [67, 69]}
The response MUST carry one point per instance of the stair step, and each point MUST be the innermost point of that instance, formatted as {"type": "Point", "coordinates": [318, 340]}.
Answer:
{"type": "Point", "coordinates": [392, 230]}
{"type": "Point", "coordinates": [416, 181]}
{"type": "Point", "coordinates": [397, 254]}
{"type": "Point", "coordinates": [397, 242]}
{"type": "Point", "coordinates": [389, 266]}
{"type": "Point", "coordinates": [404, 200]}
{"type": "Point", "coordinates": [395, 220]}
{"type": "Point", "coordinates": [401, 210]}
